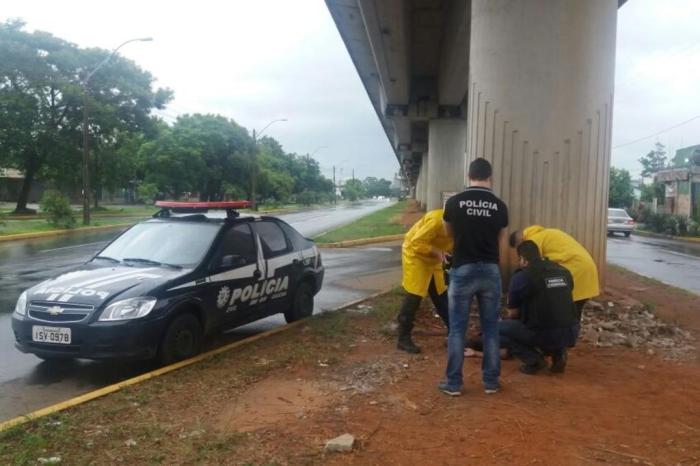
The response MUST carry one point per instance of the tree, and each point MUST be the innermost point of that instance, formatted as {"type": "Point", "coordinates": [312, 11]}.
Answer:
{"type": "Point", "coordinates": [653, 191]}
{"type": "Point", "coordinates": [621, 191]}
{"type": "Point", "coordinates": [200, 153]}
{"type": "Point", "coordinates": [377, 187]}
{"type": "Point", "coordinates": [654, 161]}
{"type": "Point", "coordinates": [41, 103]}
{"type": "Point", "coordinates": [353, 190]}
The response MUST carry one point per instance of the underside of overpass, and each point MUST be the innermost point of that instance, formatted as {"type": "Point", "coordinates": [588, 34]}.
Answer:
{"type": "Point", "coordinates": [526, 84]}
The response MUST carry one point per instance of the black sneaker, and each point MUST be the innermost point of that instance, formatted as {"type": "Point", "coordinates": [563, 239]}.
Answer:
{"type": "Point", "coordinates": [531, 369]}
{"type": "Point", "coordinates": [408, 346]}
{"type": "Point", "coordinates": [559, 362]}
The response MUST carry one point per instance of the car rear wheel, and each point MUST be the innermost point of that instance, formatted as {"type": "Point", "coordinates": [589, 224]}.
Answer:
{"type": "Point", "coordinates": [182, 340]}
{"type": "Point", "coordinates": [303, 305]}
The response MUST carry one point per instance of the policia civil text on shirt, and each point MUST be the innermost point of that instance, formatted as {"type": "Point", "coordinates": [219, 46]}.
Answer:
{"type": "Point", "coordinates": [422, 256]}
{"type": "Point", "coordinates": [477, 219]}
{"type": "Point", "coordinates": [544, 321]}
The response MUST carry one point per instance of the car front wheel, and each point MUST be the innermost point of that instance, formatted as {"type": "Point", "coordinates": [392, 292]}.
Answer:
{"type": "Point", "coordinates": [627, 234]}
{"type": "Point", "coordinates": [182, 340]}
{"type": "Point", "coordinates": [303, 305]}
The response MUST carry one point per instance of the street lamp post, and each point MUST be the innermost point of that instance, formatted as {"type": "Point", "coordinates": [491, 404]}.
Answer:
{"type": "Point", "coordinates": [86, 150]}
{"type": "Point", "coordinates": [254, 164]}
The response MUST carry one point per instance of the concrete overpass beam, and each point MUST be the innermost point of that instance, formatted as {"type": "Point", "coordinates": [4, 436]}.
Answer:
{"type": "Point", "coordinates": [540, 108]}
{"type": "Point", "coordinates": [446, 157]}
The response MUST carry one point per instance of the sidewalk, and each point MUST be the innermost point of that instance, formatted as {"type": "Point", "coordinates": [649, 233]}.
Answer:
{"type": "Point", "coordinates": [279, 400]}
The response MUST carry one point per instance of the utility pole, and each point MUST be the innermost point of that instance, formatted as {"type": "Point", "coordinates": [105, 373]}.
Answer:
{"type": "Point", "coordinates": [335, 189]}
{"type": "Point", "coordinates": [253, 173]}
{"type": "Point", "coordinates": [86, 138]}
{"type": "Point", "coordinates": [254, 164]}
{"type": "Point", "coordinates": [353, 174]}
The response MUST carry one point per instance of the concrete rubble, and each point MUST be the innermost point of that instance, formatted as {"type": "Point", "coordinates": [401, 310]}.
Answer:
{"type": "Point", "coordinates": [634, 326]}
{"type": "Point", "coordinates": [342, 443]}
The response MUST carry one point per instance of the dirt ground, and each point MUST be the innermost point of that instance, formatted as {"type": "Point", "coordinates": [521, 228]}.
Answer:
{"type": "Point", "coordinates": [278, 401]}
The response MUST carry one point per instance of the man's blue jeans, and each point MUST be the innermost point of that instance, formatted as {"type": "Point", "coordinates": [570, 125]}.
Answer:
{"type": "Point", "coordinates": [483, 281]}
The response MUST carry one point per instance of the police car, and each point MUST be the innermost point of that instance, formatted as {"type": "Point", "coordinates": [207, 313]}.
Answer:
{"type": "Point", "coordinates": [164, 284]}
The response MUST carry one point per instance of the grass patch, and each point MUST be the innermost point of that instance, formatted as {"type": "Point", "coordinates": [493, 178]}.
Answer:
{"type": "Point", "coordinates": [381, 223]}
{"type": "Point", "coordinates": [16, 227]}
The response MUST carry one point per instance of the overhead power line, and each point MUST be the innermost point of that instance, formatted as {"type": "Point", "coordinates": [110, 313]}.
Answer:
{"type": "Point", "coordinates": [657, 133]}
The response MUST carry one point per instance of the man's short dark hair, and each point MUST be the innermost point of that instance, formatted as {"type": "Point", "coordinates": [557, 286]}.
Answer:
{"type": "Point", "coordinates": [513, 239]}
{"type": "Point", "coordinates": [529, 251]}
{"type": "Point", "coordinates": [480, 169]}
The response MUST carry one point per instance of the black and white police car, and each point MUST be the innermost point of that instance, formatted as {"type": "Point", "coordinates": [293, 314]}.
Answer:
{"type": "Point", "coordinates": [164, 284]}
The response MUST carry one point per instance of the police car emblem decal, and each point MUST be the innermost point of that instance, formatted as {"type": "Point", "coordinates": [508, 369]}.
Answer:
{"type": "Point", "coordinates": [223, 297]}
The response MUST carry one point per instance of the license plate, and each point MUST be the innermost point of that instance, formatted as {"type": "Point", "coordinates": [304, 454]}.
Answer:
{"type": "Point", "coordinates": [60, 335]}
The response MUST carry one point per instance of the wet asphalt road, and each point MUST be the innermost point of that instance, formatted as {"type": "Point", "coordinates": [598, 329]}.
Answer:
{"type": "Point", "coordinates": [672, 262]}
{"type": "Point", "coordinates": [27, 383]}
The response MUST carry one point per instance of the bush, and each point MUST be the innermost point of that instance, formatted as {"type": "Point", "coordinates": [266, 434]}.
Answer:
{"type": "Point", "coordinates": [693, 228]}
{"type": "Point", "coordinates": [147, 192]}
{"type": "Point", "coordinates": [57, 208]}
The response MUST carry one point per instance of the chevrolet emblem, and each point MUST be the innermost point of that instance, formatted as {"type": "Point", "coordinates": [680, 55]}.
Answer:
{"type": "Point", "coordinates": [55, 310]}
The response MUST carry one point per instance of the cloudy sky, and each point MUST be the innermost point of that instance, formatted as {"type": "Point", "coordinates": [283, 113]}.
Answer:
{"type": "Point", "coordinates": [255, 61]}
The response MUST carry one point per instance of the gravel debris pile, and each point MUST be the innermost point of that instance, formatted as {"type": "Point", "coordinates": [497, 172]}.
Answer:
{"type": "Point", "coordinates": [634, 326]}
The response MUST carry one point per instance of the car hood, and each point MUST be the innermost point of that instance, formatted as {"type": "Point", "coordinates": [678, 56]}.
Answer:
{"type": "Point", "coordinates": [94, 285]}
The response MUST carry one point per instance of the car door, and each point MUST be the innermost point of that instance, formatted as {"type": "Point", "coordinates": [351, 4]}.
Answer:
{"type": "Point", "coordinates": [234, 271]}
{"type": "Point", "coordinates": [281, 261]}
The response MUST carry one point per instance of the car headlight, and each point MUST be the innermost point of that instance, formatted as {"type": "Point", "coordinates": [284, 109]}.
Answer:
{"type": "Point", "coordinates": [131, 308]}
{"type": "Point", "coordinates": [21, 306]}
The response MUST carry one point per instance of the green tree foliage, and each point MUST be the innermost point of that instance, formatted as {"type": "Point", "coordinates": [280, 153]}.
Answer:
{"type": "Point", "coordinates": [377, 187]}
{"type": "Point", "coordinates": [41, 104]}
{"type": "Point", "coordinates": [621, 192]}
{"type": "Point", "coordinates": [200, 153]}
{"type": "Point", "coordinates": [653, 191]}
{"type": "Point", "coordinates": [654, 161]}
{"type": "Point", "coordinates": [42, 97]}
{"type": "Point", "coordinates": [353, 190]}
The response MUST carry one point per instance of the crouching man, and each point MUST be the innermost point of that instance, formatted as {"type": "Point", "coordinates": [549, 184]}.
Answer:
{"type": "Point", "coordinates": [422, 256]}
{"type": "Point", "coordinates": [542, 318]}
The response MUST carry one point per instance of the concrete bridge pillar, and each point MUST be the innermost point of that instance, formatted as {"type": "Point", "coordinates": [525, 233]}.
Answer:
{"type": "Point", "coordinates": [447, 159]}
{"type": "Point", "coordinates": [541, 75]}
{"type": "Point", "coordinates": [425, 175]}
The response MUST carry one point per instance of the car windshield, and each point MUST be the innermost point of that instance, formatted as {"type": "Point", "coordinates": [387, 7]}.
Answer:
{"type": "Point", "coordinates": [619, 213]}
{"type": "Point", "coordinates": [181, 244]}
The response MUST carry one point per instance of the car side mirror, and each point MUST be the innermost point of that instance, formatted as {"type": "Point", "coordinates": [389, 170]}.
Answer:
{"type": "Point", "coordinates": [231, 261]}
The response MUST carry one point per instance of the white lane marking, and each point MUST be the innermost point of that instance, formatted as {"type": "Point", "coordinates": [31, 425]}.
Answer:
{"type": "Point", "coordinates": [72, 247]}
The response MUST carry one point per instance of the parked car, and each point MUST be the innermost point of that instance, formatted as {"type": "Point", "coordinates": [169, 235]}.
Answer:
{"type": "Point", "coordinates": [619, 221]}
{"type": "Point", "coordinates": [164, 284]}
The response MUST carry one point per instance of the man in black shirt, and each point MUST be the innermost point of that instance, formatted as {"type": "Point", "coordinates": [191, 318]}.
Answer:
{"type": "Point", "coordinates": [542, 316]}
{"type": "Point", "coordinates": [477, 219]}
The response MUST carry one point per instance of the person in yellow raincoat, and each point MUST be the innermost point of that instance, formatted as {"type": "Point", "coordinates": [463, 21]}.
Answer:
{"type": "Point", "coordinates": [422, 256]}
{"type": "Point", "coordinates": [561, 248]}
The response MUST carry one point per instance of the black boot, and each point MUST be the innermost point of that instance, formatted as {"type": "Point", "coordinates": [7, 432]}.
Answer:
{"type": "Point", "coordinates": [407, 315]}
{"type": "Point", "coordinates": [559, 361]}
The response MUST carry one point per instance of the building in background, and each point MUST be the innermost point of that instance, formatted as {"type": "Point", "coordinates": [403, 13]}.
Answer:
{"type": "Point", "coordinates": [682, 195]}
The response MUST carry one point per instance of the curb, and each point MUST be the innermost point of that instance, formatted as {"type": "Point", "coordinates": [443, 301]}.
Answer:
{"type": "Point", "coordinates": [650, 234]}
{"type": "Point", "coordinates": [361, 241]}
{"type": "Point", "coordinates": [99, 393]}
{"type": "Point", "coordinates": [44, 234]}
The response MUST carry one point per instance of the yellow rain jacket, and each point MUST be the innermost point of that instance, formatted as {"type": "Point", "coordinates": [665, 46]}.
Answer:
{"type": "Point", "coordinates": [561, 248]}
{"type": "Point", "coordinates": [419, 267]}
